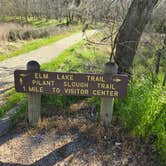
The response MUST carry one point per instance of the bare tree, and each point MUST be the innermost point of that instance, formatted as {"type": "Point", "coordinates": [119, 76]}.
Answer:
{"type": "Point", "coordinates": [130, 32]}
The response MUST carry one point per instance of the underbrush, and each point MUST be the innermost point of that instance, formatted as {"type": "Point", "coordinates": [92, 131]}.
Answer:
{"type": "Point", "coordinates": [33, 33]}
{"type": "Point", "coordinates": [12, 99]}
{"type": "Point", "coordinates": [143, 111]}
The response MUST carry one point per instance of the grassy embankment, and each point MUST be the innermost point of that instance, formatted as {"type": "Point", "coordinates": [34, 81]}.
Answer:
{"type": "Point", "coordinates": [142, 112]}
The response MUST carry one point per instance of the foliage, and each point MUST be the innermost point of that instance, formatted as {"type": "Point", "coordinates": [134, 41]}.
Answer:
{"type": "Point", "coordinates": [160, 27]}
{"type": "Point", "coordinates": [21, 113]}
{"type": "Point", "coordinates": [143, 112]}
{"type": "Point", "coordinates": [12, 99]}
{"type": "Point", "coordinates": [37, 23]}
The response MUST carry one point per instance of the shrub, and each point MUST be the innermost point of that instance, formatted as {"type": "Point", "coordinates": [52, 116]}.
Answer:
{"type": "Point", "coordinates": [143, 112]}
{"type": "Point", "coordinates": [26, 35]}
{"type": "Point", "coordinates": [160, 27]}
{"type": "Point", "coordinates": [30, 33]}
{"type": "Point", "coordinates": [12, 35]}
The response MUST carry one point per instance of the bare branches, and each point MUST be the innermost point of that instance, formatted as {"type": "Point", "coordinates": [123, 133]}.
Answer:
{"type": "Point", "coordinates": [93, 11]}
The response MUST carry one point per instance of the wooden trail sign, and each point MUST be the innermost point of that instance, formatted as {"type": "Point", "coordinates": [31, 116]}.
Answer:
{"type": "Point", "coordinates": [71, 83]}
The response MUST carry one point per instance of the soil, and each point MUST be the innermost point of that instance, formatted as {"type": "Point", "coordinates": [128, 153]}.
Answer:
{"type": "Point", "coordinates": [73, 137]}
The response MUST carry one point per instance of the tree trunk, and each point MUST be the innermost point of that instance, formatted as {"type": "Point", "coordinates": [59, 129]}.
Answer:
{"type": "Point", "coordinates": [130, 33]}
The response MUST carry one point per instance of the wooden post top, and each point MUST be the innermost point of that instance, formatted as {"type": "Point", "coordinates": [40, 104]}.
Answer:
{"type": "Point", "coordinates": [111, 68]}
{"type": "Point", "coordinates": [33, 66]}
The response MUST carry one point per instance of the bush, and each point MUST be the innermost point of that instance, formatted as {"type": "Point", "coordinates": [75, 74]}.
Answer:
{"type": "Point", "coordinates": [143, 112]}
{"type": "Point", "coordinates": [13, 35]}
{"type": "Point", "coordinates": [160, 27]}
{"type": "Point", "coordinates": [27, 34]}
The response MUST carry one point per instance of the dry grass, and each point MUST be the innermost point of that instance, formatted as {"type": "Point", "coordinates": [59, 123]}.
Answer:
{"type": "Point", "coordinates": [9, 47]}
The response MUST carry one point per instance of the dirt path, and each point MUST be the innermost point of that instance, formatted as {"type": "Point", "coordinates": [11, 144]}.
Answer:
{"type": "Point", "coordinates": [42, 55]}
{"type": "Point", "coordinates": [72, 137]}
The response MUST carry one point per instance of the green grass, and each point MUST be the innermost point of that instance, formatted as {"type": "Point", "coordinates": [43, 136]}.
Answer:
{"type": "Point", "coordinates": [20, 114]}
{"type": "Point", "coordinates": [78, 58]}
{"type": "Point", "coordinates": [143, 112]}
{"type": "Point", "coordinates": [35, 44]}
{"type": "Point", "coordinates": [12, 99]}
{"type": "Point", "coordinates": [43, 22]}
{"type": "Point", "coordinates": [37, 23]}
{"type": "Point", "coordinates": [56, 63]}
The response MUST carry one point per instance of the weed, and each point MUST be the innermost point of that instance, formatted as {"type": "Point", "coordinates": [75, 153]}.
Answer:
{"type": "Point", "coordinates": [12, 99]}
{"type": "Point", "coordinates": [143, 112]}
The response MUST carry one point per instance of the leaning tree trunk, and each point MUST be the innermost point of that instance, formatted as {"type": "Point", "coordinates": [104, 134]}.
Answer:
{"type": "Point", "coordinates": [130, 33]}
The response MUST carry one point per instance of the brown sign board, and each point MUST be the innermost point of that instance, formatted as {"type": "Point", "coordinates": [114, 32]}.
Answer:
{"type": "Point", "coordinates": [71, 83]}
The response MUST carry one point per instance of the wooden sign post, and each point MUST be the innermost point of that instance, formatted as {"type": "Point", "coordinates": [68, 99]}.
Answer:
{"type": "Point", "coordinates": [107, 103]}
{"type": "Point", "coordinates": [34, 100]}
{"type": "Point", "coordinates": [35, 82]}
